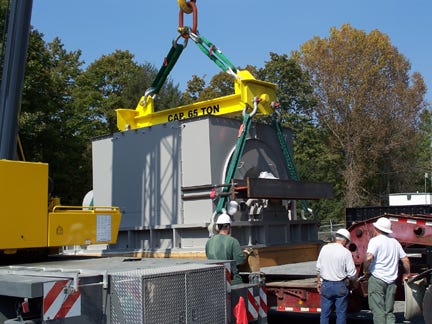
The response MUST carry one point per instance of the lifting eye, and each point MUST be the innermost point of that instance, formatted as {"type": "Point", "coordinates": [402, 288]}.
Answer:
{"type": "Point", "coordinates": [419, 231]}
{"type": "Point", "coordinates": [359, 232]}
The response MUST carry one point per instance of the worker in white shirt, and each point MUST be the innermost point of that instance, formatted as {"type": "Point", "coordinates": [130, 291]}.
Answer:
{"type": "Point", "coordinates": [335, 269]}
{"type": "Point", "coordinates": [382, 262]}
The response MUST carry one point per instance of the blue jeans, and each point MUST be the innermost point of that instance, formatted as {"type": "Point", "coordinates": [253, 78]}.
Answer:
{"type": "Point", "coordinates": [334, 293]}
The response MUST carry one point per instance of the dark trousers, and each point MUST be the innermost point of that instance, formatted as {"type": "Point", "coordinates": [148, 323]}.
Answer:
{"type": "Point", "coordinates": [334, 293]}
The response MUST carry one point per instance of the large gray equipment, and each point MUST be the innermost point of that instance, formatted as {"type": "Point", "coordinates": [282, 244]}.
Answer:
{"type": "Point", "coordinates": [154, 173]}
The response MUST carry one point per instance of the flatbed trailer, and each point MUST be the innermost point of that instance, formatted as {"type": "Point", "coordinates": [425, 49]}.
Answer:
{"type": "Point", "coordinates": [292, 287]}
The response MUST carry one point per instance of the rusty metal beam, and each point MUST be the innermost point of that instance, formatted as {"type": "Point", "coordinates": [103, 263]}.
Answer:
{"type": "Point", "coordinates": [287, 189]}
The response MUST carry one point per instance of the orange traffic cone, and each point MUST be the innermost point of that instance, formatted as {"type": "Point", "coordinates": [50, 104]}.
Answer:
{"type": "Point", "coordinates": [240, 312]}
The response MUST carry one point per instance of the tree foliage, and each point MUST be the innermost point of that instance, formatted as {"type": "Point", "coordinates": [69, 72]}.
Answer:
{"type": "Point", "coordinates": [424, 150]}
{"type": "Point", "coordinates": [46, 134]}
{"type": "Point", "coordinates": [370, 106]}
{"type": "Point", "coordinates": [221, 84]}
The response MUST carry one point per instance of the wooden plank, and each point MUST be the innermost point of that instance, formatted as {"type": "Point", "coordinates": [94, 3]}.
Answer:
{"type": "Point", "coordinates": [278, 255]}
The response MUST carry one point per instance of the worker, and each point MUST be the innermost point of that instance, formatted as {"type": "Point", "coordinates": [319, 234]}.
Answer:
{"type": "Point", "coordinates": [382, 263]}
{"type": "Point", "coordinates": [223, 246]}
{"type": "Point", "coordinates": [335, 271]}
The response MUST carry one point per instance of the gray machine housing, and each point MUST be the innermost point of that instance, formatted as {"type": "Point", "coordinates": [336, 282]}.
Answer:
{"type": "Point", "coordinates": [144, 171]}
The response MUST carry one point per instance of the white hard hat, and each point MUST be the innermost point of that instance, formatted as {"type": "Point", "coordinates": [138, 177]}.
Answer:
{"type": "Point", "coordinates": [223, 219]}
{"type": "Point", "coordinates": [344, 233]}
{"type": "Point", "coordinates": [383, 224]}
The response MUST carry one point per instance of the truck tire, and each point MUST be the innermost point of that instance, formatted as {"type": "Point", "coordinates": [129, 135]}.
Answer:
{"type": "Point", "coordinates": [427, 305]}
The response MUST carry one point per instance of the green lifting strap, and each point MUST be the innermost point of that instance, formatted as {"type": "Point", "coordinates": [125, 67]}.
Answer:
{"type": "Point", "coordinates": [233, 165]}
{"type": "Point", "coordinates": [289, 160]}
{"type": "Point", "coordinates": [166, 67]}
{"type": "Point", "coordinates": [215, 54]}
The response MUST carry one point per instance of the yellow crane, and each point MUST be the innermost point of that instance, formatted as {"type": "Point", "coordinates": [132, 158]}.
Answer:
{"type": "Point", "coordinates": [27, 223]}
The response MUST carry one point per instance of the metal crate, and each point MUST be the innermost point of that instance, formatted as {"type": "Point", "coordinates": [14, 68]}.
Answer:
{"type": "Point", "coordinates": [189, 293]}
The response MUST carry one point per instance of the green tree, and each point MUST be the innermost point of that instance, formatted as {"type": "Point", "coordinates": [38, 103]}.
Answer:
{"type": "Point", "coordinates": [44, 129]}
{"type": "Point", "coordinates": [193, 89]}
{"type": "Point", "coordinates": [424, 151]}
{"type": "Point", "coordinates": [370, 106]}
{"type": "Point", "coordinates": [221, 84]}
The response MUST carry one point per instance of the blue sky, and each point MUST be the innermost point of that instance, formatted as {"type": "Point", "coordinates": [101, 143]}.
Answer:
{"type": "Point", "coordinates": [245, 30]}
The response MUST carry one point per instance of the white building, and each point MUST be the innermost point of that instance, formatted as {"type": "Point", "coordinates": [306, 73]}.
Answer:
{"type": "Point", "coordinates": [408, 199]}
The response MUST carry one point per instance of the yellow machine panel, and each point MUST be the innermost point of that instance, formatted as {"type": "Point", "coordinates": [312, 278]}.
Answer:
{"type": "Point", "coordinates": [23, 204]}
{"type": "Point", "coordinates": [26, 223]}
{"type": "Point", "coordinates": [77, 226]}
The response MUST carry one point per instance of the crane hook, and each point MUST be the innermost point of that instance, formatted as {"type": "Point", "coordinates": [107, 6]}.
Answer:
{"type": "Point", "coordinates": [187, 7]}
{"type": "Point", "coordinates": [184, 6]}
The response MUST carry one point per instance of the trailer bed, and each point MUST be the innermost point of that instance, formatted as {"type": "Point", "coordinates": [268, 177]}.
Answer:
{"type": "Point", "coordinates": [301, 269]}
{"type": "Point", "coordinates": [292, 287]}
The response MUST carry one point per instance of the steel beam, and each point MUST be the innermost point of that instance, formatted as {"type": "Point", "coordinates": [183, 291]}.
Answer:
{"type": "Point", "coordinates": [287, 189]}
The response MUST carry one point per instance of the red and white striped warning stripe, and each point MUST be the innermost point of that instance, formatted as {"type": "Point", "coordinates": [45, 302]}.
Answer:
{"type": "Point", "coordinates": [263, 302]}
{"type": "Point", "coordinates": [411, 221]}
{"type": "Point", "coordinates": [253, 305]}
{"type": "Point", "coordinates": [59, 302]}
{"type": "Point", "coordinates": [299, 309]}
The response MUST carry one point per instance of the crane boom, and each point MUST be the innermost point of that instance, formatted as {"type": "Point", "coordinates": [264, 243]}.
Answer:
{"type": "Point", "coordinates": [13, 76]}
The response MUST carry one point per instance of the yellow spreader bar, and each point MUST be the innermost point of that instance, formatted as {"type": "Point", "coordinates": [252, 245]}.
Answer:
{"type": "Point", "coordinates": [246, 88]}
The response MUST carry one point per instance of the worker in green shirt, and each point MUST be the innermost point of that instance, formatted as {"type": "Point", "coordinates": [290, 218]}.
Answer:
{"type": "Point", "coordinates": [223, 246]}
